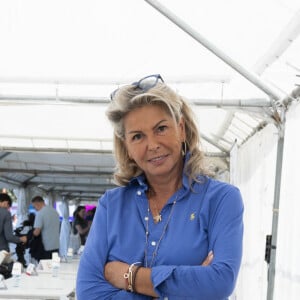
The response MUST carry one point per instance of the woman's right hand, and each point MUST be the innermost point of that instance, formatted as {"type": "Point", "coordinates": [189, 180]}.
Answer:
{"type": "Point", "coordinates": [208, 259]}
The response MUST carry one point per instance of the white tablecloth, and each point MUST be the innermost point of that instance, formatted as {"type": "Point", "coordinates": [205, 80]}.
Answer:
{"type": "Point", "coordinates": [44, 286]}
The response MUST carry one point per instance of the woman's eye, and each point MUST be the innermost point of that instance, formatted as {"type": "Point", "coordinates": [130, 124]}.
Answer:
{"type": "Point", "coordinates": [161, 129]}
{"type": "Point", "coordinates": [137, 137]}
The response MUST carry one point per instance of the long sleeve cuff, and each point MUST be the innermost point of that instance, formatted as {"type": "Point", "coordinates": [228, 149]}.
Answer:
{"type": "Point", "coordinates": [159, 274]}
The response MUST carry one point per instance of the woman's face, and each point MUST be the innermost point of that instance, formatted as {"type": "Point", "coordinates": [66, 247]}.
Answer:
{"type": "Point", "coordinates": [153, 140]}
{"type": "Point", "coordinates": [81, 213]}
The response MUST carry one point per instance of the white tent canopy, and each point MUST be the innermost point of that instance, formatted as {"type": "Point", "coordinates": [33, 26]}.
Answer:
{"type": "Point", "coordinates": [61, 59]}
{"type": "Point", "coordinates": [238, 64]}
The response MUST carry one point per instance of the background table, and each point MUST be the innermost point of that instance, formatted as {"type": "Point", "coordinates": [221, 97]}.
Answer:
{"type": "Point", "coordinates": [44, 286]}
{"type": "Point", "coordinates": [65, 267]}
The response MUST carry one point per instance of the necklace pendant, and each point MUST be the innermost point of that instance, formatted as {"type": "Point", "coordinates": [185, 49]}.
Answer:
{"type": "Point", "coordinates": [157, 218]}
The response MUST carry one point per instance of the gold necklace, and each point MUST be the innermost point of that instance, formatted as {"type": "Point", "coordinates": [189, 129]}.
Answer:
{"type": "Point", "coordinates": [161, 237]}
{"type": "Point", "coordinates": [156, 215]}
{"type": "Point", "coordinates": [157, 218]}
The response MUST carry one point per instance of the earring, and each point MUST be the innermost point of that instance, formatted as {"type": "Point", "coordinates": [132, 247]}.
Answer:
{"type": "Point", "coordinates": [183, 148]}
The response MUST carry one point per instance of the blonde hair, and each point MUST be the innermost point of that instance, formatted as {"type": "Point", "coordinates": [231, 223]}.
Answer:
{"type": "Point", "coordinates": [131, 97]}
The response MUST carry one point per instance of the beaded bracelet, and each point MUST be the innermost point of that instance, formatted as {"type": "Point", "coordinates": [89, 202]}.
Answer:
{"type": "Point", "coordinates": [129, 277]}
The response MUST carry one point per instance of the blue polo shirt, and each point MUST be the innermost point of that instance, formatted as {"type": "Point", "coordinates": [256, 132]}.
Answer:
{"type": "Point", "coordinates": [207, 216]}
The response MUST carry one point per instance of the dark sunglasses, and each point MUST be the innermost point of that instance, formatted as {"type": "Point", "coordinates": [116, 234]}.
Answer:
{"type": "Point", "coordinates": [143, 84]}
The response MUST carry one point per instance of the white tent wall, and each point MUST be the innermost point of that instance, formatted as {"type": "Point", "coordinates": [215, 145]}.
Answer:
{"type": "Point", "coordinates": [255, 176]}
{"type": "Point", "coordinates": [287, 272]}
{"type": "Point", "coordinates": [65, 228]}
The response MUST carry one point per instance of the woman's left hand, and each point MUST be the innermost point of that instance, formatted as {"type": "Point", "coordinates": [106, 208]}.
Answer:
{"type": "Point", "coordinates": [114, 273]}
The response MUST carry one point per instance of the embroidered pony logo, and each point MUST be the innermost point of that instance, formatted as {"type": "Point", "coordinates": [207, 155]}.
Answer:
{"type": "Point", "coordinates": [192, 216]}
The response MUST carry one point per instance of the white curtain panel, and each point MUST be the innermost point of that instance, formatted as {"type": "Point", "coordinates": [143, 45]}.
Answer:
{"type": "Point", "coordinates": [49, 199]}
{"type": "Point", "coordinates": [287, 276]}
{"type": "Point", "coordinates": [254, 173]}
{"type": "Point", "coordinates": [65, 229]}
{"type": "Point", "coordinates": [23, 201]}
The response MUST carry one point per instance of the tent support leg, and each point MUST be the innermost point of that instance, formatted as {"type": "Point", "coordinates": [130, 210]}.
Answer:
{"type": "Point", "coordinates": [272, 265]}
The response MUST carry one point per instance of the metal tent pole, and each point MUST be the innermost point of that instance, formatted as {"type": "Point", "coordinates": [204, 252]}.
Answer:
{"type": "Point", "coordinates": [272, 264]}
{"type": "Point", "coordinates": [252, 77]}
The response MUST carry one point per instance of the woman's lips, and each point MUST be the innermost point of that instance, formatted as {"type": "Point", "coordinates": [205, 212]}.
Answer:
{"type": "Point", "coordinates": [158, 159]}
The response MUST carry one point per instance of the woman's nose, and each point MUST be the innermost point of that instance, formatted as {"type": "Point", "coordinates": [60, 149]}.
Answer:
{"type": "Point", "coordinates": [153, 144]}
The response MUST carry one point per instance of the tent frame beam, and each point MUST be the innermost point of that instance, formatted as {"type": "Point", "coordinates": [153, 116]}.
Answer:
{"type": "Point", "coordinates": [255, 102]}
{"type": "Point", "coordinates": [250, 76]}
{"type": "Point", "coordinates": [56, 172]}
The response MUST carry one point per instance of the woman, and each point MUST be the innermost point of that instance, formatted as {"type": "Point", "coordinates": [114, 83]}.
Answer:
{"type": "Point", "coordinates": [80, 224]}
{"type": "Point", "coordinates": [169, 231]}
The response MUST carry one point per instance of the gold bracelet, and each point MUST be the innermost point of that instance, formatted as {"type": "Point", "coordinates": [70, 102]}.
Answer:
{"type": "Point", "coordinates": [129, 277]}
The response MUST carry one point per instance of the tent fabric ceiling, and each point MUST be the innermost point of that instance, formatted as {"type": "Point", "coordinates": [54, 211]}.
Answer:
{"type": "Point", "coordinates": [61, 59]}
{"type": "Point", "coordinates": [72, 175]}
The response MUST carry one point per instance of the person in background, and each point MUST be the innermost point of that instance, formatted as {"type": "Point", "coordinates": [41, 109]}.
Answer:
{"type": "Point", "coordinates": [90, 214]}
{"type": "Point", "coordinates": [80, 224]}
{"type": "Point", "coordinates": [26, 229]}
{"type": "Point", "coordinates": [170, 231]}
{"type": "Point", "coordinates": [6, 229]}
{"type": "Point", "coordinates": [46, 225]}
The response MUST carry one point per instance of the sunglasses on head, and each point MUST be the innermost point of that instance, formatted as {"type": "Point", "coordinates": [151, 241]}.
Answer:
{"type": "Point", "coordinates": [144, 84]}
